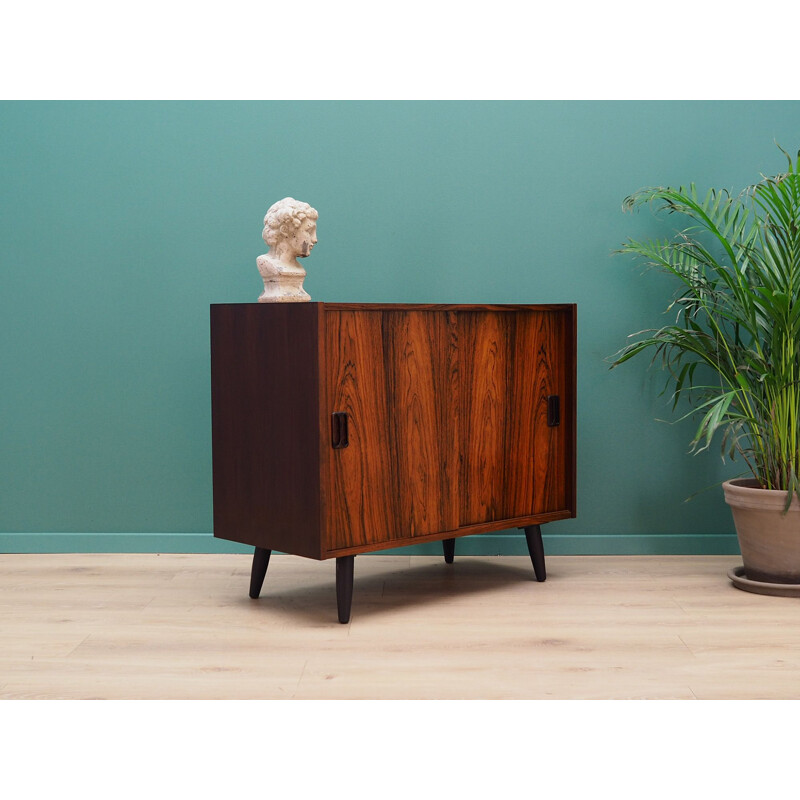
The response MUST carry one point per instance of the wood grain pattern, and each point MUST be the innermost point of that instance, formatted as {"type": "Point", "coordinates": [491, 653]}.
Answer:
{"type": "Point", "coordinates": [421, 359]}
{"type": "Point", "coordinates": [447, 412]}
{"type": "Point", "coordinates": [543, 343]}
{"type": "Point", "coordinates": [484, 375]}
{"type": "Point", "coordinates": [463, 530]}
{"type": "Point", "coordinates": [389, 371]}
{"type": "Point", "coordinates": [530, 382]}
{"type": "Point", "coordinates": [265, 436]}
{"type": "Point", "coordinates": [361, 498]}
{"type": "Point", "coordinates": [441, 307]}
{"type": "Point", "coordinates": [513, 463]}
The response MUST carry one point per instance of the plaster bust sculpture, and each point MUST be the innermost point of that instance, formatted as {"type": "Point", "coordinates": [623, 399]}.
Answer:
{"type": "Point", "coordinates": [290, 230]}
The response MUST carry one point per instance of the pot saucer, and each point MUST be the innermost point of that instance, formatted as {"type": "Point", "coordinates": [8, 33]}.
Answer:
{"type": "Point", "coordinates": [760, 587]}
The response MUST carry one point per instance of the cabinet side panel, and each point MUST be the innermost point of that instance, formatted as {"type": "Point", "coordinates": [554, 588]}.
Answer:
{"type": "Point", "coordinates": [265, 425]}
{"type": "Point", "coordinates": [570, 390]}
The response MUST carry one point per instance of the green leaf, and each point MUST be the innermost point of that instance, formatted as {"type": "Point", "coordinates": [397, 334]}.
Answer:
{"type": "Point", "coordinates": [736, 267]}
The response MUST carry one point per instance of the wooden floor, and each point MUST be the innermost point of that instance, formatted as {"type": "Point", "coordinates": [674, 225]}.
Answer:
{"type": "Point", "coordinates": [182, 626]}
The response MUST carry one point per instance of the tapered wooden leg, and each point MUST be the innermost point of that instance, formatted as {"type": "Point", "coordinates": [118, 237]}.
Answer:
{"type": "Point", "coordinates": [259, 570]}
{"type": "Point", "coordinates": [344, 587]}
{"type": "Point", "coordinates": [533, 535]}
{"type": "Point", "coordinates": [449, 547]}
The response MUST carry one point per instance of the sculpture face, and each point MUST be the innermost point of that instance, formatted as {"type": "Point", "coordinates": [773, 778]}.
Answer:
{"type": "Point", "coordinates": [304, 238]}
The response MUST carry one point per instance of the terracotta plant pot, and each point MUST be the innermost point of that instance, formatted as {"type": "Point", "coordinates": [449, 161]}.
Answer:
{"type": "Point", "coordinates": [768, 538]}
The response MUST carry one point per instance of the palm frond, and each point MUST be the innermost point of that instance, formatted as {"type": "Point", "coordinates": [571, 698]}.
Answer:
{"type": "Point", "coordinates": [737, 271]}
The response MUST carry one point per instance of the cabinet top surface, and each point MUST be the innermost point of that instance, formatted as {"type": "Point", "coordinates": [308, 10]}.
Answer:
{"type": "Point", "coordinates": [410, 306]}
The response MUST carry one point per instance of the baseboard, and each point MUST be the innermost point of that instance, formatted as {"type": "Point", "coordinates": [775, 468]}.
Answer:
{"type": "Point", "coordinates": [504, 544]}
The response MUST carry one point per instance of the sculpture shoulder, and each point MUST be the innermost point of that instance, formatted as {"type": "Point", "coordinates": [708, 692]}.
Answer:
{"type": "Point", "coordinates": [266, 266]}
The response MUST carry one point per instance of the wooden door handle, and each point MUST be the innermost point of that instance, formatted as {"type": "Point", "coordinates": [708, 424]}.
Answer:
{"type": "Point", "coordinates": [339, 432]}
{"type": "Point", "coordinates": [553, 410]}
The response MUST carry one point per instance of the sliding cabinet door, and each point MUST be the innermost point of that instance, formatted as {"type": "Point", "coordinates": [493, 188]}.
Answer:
{"type": "Point", "coordinates": [391, 378]}
{"type": "Point", "coordinates": [513, 402]}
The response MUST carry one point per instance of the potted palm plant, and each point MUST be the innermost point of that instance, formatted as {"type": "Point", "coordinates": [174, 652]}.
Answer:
{"type": "Point", "coordinates": [733, 351]}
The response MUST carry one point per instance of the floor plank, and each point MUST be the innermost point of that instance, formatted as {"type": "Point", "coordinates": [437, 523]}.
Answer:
{"type": "Point", "coordinates": [147, 626]}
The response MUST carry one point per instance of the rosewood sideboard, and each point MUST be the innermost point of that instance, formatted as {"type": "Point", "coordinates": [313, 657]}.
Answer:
{"type": "Point", "coordinates": [344, 428]}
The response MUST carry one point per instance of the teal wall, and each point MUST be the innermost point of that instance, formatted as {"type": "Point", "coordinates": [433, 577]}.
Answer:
{"type": "Point", "coordinates": [121, 222]}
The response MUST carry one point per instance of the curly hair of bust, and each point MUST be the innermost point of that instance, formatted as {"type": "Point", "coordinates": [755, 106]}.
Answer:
{"type": "Point", "coordinates": [284, 217]}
